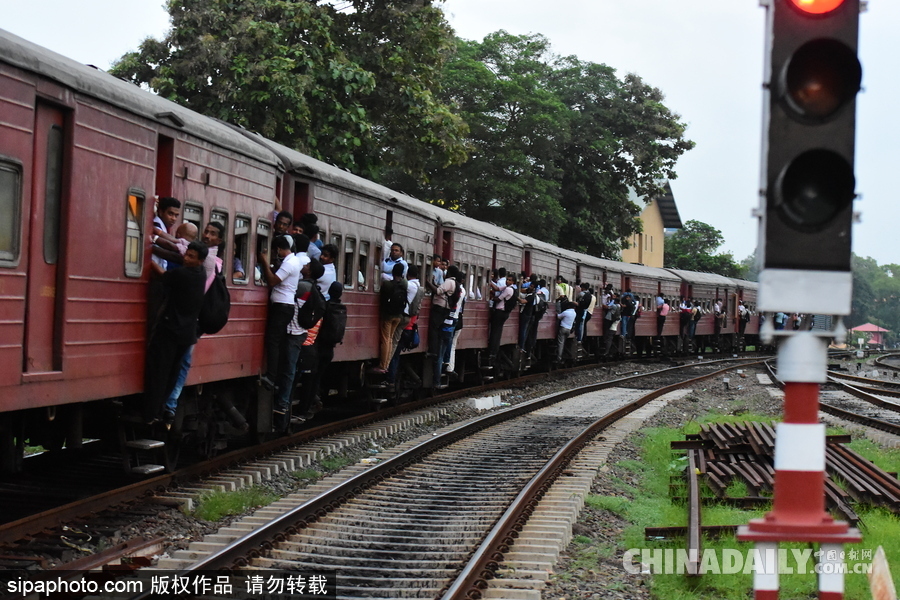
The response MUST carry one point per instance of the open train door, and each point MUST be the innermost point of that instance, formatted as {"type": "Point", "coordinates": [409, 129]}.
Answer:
{"type": "Point", "coordinates": [43, 327]}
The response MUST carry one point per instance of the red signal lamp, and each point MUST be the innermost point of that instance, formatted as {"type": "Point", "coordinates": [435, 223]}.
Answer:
{"type": "Point", "coordinates": [816, 7]}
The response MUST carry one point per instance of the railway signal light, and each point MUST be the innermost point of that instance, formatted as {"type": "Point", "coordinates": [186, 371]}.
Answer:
{"type": "Point", "coordinates": [813, 76]}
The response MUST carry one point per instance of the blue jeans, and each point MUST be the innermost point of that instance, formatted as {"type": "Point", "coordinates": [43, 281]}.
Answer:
{"type": "Point", "coordinates": [285, 380]}
{"type": "Point", "coordinates": [172, 400]}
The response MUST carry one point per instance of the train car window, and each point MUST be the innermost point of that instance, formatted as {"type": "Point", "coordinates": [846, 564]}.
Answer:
{"type": "Point", "coordinates": [336, 240]}
{"type": "Point", "coordinates": [376, 263]}
{"type": "Point", "coordinates": [53, 194]}
{"type": "Point", "coordinates": [349, 263]}
{"type": "Point", "coordinates": [10, 212]}
{"type": "Point", "coordinates": [221, 217]}
{"type": "Point", "coordinates": [192, 212]}
{"type": "Point", "coordinates": [363, 273]}
{"type": "Point", "coordinates": [263, 233]}
{"type": "Point", "coordinates": [420, 260]}
{"type": "Point", "coordinates": [411, 257]}
{"type": "Point", "coordinates": [240, 262]}
{"type": "Point", "coordinates": [479, 284]}
{"type": "Point", "coordinates": [134, 233]}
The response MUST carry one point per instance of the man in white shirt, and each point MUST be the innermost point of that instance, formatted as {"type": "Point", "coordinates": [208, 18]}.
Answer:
{"type": "Point", "coordinates": [281, 302]}
{"type": "Point", "coordinates": [168, 210]}
{"type": "Point", "coordinates": [327, 257]}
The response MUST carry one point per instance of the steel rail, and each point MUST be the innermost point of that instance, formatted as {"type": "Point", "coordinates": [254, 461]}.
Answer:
{"type": "Point", "coordinates": [484, 562]}
{"type": "Point", "coordinates": [845, 414]}
{"type": "Point", "coordinates": [252, 545]}
{"type": "Point", "coordinates": [54, 517]}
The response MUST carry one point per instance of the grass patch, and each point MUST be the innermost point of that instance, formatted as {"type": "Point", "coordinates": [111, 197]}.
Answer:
{"type": "Point", "coordinates": [306, 475]}
{"type": "Point", "coordinates": [335, 463]}
{"type": "Point", "coordinates": [614, 504]}
{"type": "Point", "coordinates": [652, 506]}
{"type": "Point", "coordinates": [214, 506]}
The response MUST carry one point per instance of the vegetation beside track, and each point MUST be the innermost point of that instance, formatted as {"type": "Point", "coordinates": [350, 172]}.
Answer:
{"type": "Point", "coordinates": [639, 493]}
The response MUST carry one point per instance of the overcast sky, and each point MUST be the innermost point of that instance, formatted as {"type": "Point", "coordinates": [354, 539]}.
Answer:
{"type": "Point", "coordinates": [705, 55]}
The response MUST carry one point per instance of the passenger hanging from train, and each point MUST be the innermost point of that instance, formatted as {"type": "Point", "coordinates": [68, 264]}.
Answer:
{"type": "Point", "coordinates": [401, 341]}
{"type": "Point", "coordinates": [563, 293]}
{"type": "Point", "coordinates": [454, 293]}
{"type": "Point", "coordinates": [392, 302]}
{"type": "Point", "coordinates": [176, 330]}
{"type": "Point", "coordinates": [612, 318]}
{"type": "Point", "coordinates": [566, 318]}
{"type": "Point", "coordinates": [311, 231]}
{"type": "Point", "coordinates": [527, 303]}
{"type": "Point", "coordinates": [330, 253]}
{"type": "Point", "coordinates": [585, 299]}
{"type": "Point", "coordinates": [542, 302]}
{"type": "Point", "coordinates": [661, 313]}
{"type": "Point", "coordinates": [497, 285]}
{"type": "Point", "coordinates": [298, 353]}
{"type": "Point", "coordinates": [331, 333]}
{"type": "Point", "coordinates": [684, 318]}
{"type": "Point", "coordinates": [743, 317]}
{"type": "Point", "coordinates": [280, 227]}
{"type": "Point", "coordinates": [696, 315]}
{"type": "Point", "coordinates": [437, 274]}
{"type": "Point", "coordinates": [503, 306]}
{"type": "Point", "coordinates": [213, 239]}
{"type": "Point", "coordinates": [457, 315]}
{"type": "Point", "coordinates": [172, 249]}
{"type": "Point", "coordinates": [168, 210]}
{"type": "Point", "coordinates": [628, 306]}
{"type": "Point", "coordinates": [281, 302]}
{"type": "Point", "coordinates": [439, 311]}
{"type": "Point", "coordinates": [393, 255]}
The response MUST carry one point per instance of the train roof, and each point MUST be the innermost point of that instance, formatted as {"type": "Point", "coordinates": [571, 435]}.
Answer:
{"type": "Point", "coordinates": [744, 284]}
{"type": "Point", "coordinates": [308, 166]}
{"type": "Point", "coordinates": [704, 278]}
{"type": "Point", "coordinates": [98, 84]}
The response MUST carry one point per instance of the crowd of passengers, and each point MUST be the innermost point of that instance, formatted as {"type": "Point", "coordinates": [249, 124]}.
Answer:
{"type": "Point", "coordinates": [299, 342]}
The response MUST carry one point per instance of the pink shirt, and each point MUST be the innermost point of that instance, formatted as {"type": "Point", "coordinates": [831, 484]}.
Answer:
{"type": "Point", "coordinates": [664, 309]}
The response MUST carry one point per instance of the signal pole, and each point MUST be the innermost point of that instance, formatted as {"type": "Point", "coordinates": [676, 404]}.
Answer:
{"type": "Point", "coordinates": [806, 212]}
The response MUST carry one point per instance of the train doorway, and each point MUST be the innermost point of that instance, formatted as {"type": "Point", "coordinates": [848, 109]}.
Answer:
{"type": "Point", "coordinates": [43, 349]}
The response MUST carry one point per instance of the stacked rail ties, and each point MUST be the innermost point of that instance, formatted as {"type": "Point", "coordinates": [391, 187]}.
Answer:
{"type": "Point", "coordinates": [723, 453]}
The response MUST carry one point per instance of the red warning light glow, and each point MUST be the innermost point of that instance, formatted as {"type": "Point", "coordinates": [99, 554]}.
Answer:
{"type": "Point", "coordinates": [817, 7]}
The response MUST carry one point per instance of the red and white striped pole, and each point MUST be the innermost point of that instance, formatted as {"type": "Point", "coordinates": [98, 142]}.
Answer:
{"type": "Point", "coordinates": [798, 508]}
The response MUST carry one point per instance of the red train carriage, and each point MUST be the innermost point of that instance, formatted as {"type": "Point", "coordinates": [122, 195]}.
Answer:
{"type": "Point", "coordinates": [81, 156]}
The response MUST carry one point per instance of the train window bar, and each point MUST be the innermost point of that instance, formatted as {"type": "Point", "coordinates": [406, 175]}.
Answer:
{"type": "Point", "coordinates": [376, 263]}
{"type": "Point", "coordinates": [10, 213]}
{"type": "Point", "coordinates": [134, 232]}
{"type": "Point", "coordinates": [192, 212]}
{"type": "Point", "coordinates": [363, 273]}
{"type": "Point", "coordinates": [240, 262]}
{"type": "Point", "coordinates": [349, 263]}
{"type": "Point", "coordinates": [263, 233]}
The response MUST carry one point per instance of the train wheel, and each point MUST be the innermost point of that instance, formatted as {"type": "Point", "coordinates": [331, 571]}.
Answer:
{"type": "Point", "coordinates": [12, 444]}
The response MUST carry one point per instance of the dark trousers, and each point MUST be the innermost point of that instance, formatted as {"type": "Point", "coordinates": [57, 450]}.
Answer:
{"type": "Point", "coordinates": [435, 324]}
{"type": "Point", "coordinates": [279, 317]}
{"type": "Point", "coordinates": [497, 319]}
{"type": "Point", "coordinates": [660, 322]}
{"type": "Point", "coordinates": [163, 365]}
{"type": "Point", "coordinates": [524, 329]}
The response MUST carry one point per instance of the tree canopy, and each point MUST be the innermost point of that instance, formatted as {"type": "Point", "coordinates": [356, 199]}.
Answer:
{"type": "Point", "coordinates": [555, 143]}
{"type": "Point", "coordinates": [355, 87]}
{"type": "Point", "coordinates": [691, 249]}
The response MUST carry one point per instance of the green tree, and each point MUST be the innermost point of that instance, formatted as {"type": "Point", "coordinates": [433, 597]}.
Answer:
{"type": "Point", "coordinates": [356, 88]}
{"type": "Point", "coordinates": [691, 249]}
{"type": "Point", "coordinates": [555, 143]}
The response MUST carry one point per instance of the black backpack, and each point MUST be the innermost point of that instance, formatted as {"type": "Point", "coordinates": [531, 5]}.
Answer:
{"type": "Point", "coordinates": [396, 302]}
{"type": "Point", "coordinates": [334, 324]}
{"type": "Point", "coordinates": [313, 309]}
{"type": "Point", "coordinates": [512, 302]}
{"type": "Point", "coordinates": [216, 306]}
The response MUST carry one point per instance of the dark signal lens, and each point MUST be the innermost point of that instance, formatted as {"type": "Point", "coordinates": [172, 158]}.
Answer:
{"type": "Point", "coordinates": [821, 77]}
{"type": "Point", "coordinates": [814, 188]}
{"type": "Point", "coordinates": [817, 7]}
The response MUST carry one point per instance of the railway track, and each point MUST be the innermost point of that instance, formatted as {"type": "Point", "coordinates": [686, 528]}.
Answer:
{"type": "Point", "coordinates": [438, 518]}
